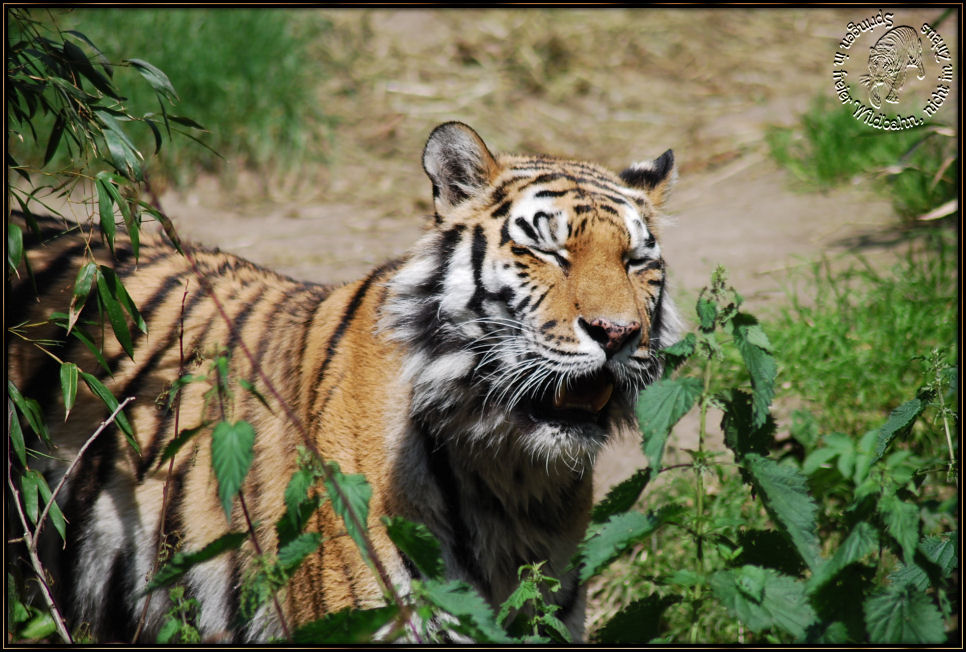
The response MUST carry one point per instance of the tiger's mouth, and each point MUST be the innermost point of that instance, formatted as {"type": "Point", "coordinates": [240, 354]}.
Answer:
{"type": "Point", "coordinates": [575, 400]}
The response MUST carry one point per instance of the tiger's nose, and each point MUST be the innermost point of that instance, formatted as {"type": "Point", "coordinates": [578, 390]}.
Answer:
{"type": "Point", "coordinates": [612, 336]}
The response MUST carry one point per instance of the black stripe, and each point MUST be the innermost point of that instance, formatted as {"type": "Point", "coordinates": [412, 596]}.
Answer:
{"type": "Point", "coordinates": [501, 211]}
{"type": "Point", "coordinates": [478, 253]}
{"type": "Point", "coordinates": [527, 229]}
{"type": "Point", "coordinates": [657, 318]}
{"type": "Point", "coordinates": [18, 301]}
{"type": "Point", "coordinates": [540, 300]}
{"type": "Point", "coordinates": [442, 471]}
{"type": "Point", "coordinates": [344, 322]}
{"type": "Point", "coordinates": [115, 622]}
{"type": "Point", "coordinates": [553, 193]}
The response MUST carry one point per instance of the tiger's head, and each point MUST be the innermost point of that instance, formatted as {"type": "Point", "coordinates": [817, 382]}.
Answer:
{"type": "Point", "coordinates": [534, 309]}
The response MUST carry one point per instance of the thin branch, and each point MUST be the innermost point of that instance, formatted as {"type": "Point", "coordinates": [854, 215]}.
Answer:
{"type": "Point", "coordinates": [90, 440]}
{"type": "Point", "coordinates": [258, 551]}
{"type": "Point", "coordinates": [38, 567]}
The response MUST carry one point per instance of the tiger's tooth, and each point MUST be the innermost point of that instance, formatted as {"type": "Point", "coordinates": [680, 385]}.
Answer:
{"type": "Point", "coordinates": [559, 395]}
{"type": "Point", "coordinates": [601, 399]}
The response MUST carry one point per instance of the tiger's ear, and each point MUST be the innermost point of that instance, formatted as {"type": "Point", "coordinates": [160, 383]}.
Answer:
{"type": "Point", "coordinates": [458, 163]}
{"type": "Point", "coordinates": [656, 177]}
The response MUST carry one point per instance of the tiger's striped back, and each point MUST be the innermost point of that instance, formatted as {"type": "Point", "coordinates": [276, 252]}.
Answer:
{"type": "Point", "coordinates": [472, 382]}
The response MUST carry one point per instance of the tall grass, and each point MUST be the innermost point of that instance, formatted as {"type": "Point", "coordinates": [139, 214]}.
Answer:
{"type": "Point", "coordinates": [244, 74]}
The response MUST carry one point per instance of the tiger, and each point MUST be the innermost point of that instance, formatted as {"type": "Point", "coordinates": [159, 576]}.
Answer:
{"type": "Point", "coordinates": [896, 50]}
{"type": "Point", "coordinates": [473, 382]}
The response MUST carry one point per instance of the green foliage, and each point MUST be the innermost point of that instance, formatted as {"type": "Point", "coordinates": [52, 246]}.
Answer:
{"type": "Point", "coordinates": [526, 612]}
{"type": "Point", "coordinates": [241, 72]}
{"type": "Point", "coordinates": [232, 452]}
{"type": "Point", "coordinates": [179, 624]}
{"type": "Point", "coordinates": [916, 167]}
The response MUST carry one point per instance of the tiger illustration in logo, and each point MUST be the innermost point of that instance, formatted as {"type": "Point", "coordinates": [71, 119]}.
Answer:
{"type": "Point", "coordinates": [473, 382]}
{"type": "Point", "coordinates": [897, 50]}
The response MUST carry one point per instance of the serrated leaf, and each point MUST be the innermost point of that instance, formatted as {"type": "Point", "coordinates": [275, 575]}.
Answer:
{"type": "Point", "coordinates": [605, 542]}
{"type": "Point", "coordinates": [14, 247]}
{"type": "Point", "coordinates": [676, 354]}
{"type": "Point", "coordinates": [662, 405]}
{"type": "Point", "coordinates": [753, 346]}
{"type": "Point", "coordinates": [863, 540]}
{"type": "Point", "coordinates": [638, 622]}
{"type": "Point", "coordinates": [296, 492]}
{"type": "Point", "coordinates": [156, 77]}
{"type": "Point", "coordinates": [68, 385]}
{"type": "Point", "coordinates": [232, 452]}
{"type": "Point", "coordinates": [168, 631]}
{"type": "Point", "coordinates": [292, 553]}
{"type": "Point", "coordinates": [941, 551]}
{"type": "Point", "coordinates": [459, 599]}
{"type": "Point", "coordinates": [105, 395]}
{"type": "Point", "coordinates": [346, 626]}
{"type": "Point", "coordinates": [902, 523]}
{"type": "Point", "coordinates": [181, 562]}
{"type": "Point", "coordinates": [621, 496]}
{"type": "Point", "coordinates": [763, 599]}
{"type": "Point", "coordinates": [768, 548]}
{"type": "Point", "coordinates": [902, 614]}
{"type": "Point", "coordinates": [741, 434]}
{"type": "Point", "coordinates": [707, 311]}
{"type": "Point", "coordinates": [784, 491]}
{"type": "Point", "coordinates": [899, 422]}
{"type": "Point", "coordinates": [357, 492]}
{"type": "Point", "coordinates": [416, 542]}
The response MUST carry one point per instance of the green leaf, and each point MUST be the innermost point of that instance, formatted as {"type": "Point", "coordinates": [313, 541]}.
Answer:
{"type": "Point", "coordinates": [54, 514]}
{"type": "Point", "coordinates": [902, 614]}
{"type": "Point", "coordinates": [168, 631]}
{"type": "Point", "coordinates": [741, 434]}
{"type": "Point", "coordinates": [178, 442]}
{"type": "Point", "coordinates": [31, 411]}
{"type": "Point", "coordinates": [40, 626]}
{"type": "Point", "coordinates": [754, 347]}
{"type": "Point", "coordinates": [660, 407]}
{"type": "Point", "coordinates": [346, 626]}
{"type": "Point", "coordinates": [16, 434]}
{"type": "Point", "coordinates": [78, 60]}
{"type": "Point", "coordinates": [119, 292]}
{"type": "Point", "coordinates": [764, 599]}
{"type": "Point", "coordinates": [115, 313]}
{"type": "Point", "coordinates": [357, 493]}
{"type": "Point", "coordinates": [296, 493]}
{"type": "Point", "coordinates": [416, 542]}
{"type": "Point", "coordinates": [232, 451]}
{"type": "Point", "coordinates": [899, 422]}
{"type": "Point", "coordinates": [941, 551]}
{"type": "Point", "coordinates": [29, 487]}
{"type": "Point", "coordinates": [902, 523]}
{"type": "Point", "coordinates": [14, 246]}
{"type": "Point", "coordinates": [105, 395]}
{"type": "Point", "coordinates": [604, 542]}
{"type": "Point", "coordinates": [707, 311]}
{"type": "Point", "coordinates": [105, 207]}
{"type": "Point", "coordinates": [56, 132]}
{"type": "Point", "coordinates": [768, 548]}
{"type": "Point", "coordinates": [181, 562]}
{"type": "Point", "coordinates": [621, 496]}
{"type": "Point", "coordinates": [68, 385]}
{"type": "Point", "coordinates": [154, 76]}
{"type": "Point", "coordinates": [250, 388]}
{"type": "Point", "coordinates": [863, 540]}
{"type": "Point", "coordinates": [785, 494]}
{"type": "Point", "coordinates": [638, 622]}
{"type": "Point", "coordinates": [459, 599]}
{"type": "Point", "coordinates": [292, 553]}
{"type": "Point", "coordinates": [124, 158]}
{"type": "Point", "coordinates": [82, 289]}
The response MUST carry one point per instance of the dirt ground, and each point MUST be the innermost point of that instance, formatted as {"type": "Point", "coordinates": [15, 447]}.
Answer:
{"type": "Point", "coordinates": [708, 83]}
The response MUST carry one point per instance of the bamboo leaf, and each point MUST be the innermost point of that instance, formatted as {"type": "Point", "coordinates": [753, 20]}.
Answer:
{"type": "Point", "coordinates": [107, 397]}
{"type": "Point", "coordinates": [16, 434]}
{"type": "Point", "coordinates": [68, 385]}
{"type": "Point", "coordinates": [158, 80]}
{"type": "Point", "coordinates": [82, 289]}
{"type": "Point", "coordinates": [106, 292]}
{"type": "Point", "coordinates": [14, 247]}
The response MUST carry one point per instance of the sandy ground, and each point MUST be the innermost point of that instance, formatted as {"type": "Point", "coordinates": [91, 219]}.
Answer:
{"type": "Point", "coordinates": [709, 84]}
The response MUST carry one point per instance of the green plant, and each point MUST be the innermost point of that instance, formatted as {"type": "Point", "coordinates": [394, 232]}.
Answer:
{"type": "Point", "coordinates": [917, 167]}
{"type": "Point", "coordinates": [850, 340]}
{"type": "Point", "coordinates": [254, 85]}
